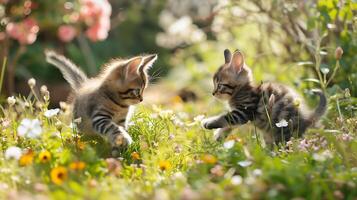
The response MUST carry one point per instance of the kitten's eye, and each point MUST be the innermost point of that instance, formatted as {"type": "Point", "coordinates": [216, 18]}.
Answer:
{"type": "Point", "coordinates": [136, 92]}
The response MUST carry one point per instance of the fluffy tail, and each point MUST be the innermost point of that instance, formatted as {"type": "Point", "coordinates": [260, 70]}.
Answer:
{"type": "Point", "coordinates": [321, 108]}
{"type": "Point", "coordinates": [74, 76]}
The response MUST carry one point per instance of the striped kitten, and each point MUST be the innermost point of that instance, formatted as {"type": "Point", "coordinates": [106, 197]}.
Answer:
{"type": "Point", "coordinates": [103, 102]}
{"type": "Point", "coordinates": [265, 105]}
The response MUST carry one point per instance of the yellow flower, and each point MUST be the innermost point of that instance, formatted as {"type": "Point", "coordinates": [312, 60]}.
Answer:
{"type": "Point", "coordinates": [164, 165]}
{"type": "Point", "coordinates": [209, 159]}
{"type": "Point", "coordinates": [27, 158]}
{"type": "Point", "coordinates": [135, 156]}
{"type": "Point", "coordinates": [77, 165]}
{"type": "Point", "coordinates": [59, 175]}
{"type": "Point", "coordinates": [44, 156]}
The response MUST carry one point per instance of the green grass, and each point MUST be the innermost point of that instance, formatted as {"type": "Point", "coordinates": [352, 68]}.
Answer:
{"type": "Point", "coordinates": [176, 159]}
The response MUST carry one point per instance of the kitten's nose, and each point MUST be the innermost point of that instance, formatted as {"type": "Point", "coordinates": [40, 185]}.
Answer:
{"type": "Point", "coordinates": [141, 98]}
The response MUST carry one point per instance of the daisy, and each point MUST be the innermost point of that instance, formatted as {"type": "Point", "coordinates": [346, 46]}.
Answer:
{"type": "Point", "coordinates": [229, 144]}
{"type": "Point", "coordinates": [30, 128]}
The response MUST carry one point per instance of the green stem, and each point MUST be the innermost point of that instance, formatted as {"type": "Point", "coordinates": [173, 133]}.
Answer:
{"type": "Point", "coordinates": [2, 73]}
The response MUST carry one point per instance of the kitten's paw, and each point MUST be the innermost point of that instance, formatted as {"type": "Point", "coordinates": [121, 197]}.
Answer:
{"type": "Point", "coordinates": [209, 123]}
{"type": "Point", "coordinates": [122, 139]}
{"type": "Point", "coordinates": [217, 134]}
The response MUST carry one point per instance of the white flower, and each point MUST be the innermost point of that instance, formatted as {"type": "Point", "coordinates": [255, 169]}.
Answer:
{"type": "Point", "coordinates": [11, 100]}
{"type": "Point", "coordinates": [236, 180]}
{"type": "Point", "coordinates": [282, 123]}
{"type": "Point", "coordinates": [52, 112]}
{"type": "Point", "coordinates": [13, 153]}
{"type": "Point", "coordinates": [322, 156]}
{"type": "Point", "coordinates": [30, 128]}
{"type": "Point", "coordinates": [229, 144]}
{"type": "Point", "coordinates": [31, 82]}
{"type": "Point", "coordinates": [245, 163]}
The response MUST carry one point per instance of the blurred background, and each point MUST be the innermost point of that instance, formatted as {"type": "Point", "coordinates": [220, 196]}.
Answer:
{"type": "Point", "coordinates": [281, 40]}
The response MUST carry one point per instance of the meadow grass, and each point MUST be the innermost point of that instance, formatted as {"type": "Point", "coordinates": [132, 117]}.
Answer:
{"type": "Point", "coordinates": [172, 157]}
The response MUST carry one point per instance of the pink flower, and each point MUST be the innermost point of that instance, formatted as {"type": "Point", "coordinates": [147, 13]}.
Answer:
{"type": "Point", "coordinates": [66, 33]}
{"type": "Point", "coordinates": [96, 14]}
{"type": "Point", "coordinates": [24, 32]}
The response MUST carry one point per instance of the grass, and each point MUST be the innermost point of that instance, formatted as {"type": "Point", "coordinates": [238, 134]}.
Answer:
{"type": "Point", "coordinates": [172, 157]}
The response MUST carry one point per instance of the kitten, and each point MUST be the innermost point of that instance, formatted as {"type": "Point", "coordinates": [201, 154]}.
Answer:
{"type": "Point", "coordinates": [265, 105]}
{"type": "Point", "coordinates": [103, 102]}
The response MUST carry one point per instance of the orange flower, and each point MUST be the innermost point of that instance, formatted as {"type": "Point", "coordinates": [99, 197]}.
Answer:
{"type": "Point", "coordinates": [59, 175]}
{"type": "Point", "coordinates": [80, 144]}
{"type": "Point", "coordinates": [44, 156]}
{"type": "Point", "coordinates": [164, 165]}
{"type": "Point", "coordinates": [27, 158]}
{"type": "Point", "coordinates": [77, 165]}
{"type": "Point", "coordinates": [135, 155]}
{"type": "Point", "coordinates": [209, 159]}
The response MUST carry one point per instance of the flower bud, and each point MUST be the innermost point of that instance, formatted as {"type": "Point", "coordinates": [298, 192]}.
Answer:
{"type": "Point", "coordinates": [11, 100]}
{"type": "Point", "coordinates": [31, 82]}
{"type": "Point", "coordinates": [43, 90]}
{"type": "Point", "coordinates": [338, 53]}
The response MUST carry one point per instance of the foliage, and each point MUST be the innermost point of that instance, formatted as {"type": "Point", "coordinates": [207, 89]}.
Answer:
{"type": "Point", "coordinates": [172, 157]}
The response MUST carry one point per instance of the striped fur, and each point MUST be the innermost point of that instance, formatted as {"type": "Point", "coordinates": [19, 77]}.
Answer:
{"type": "Point", "coordinates": [103, 102]}
{"type": "Point", "coordinates": [264, 105]}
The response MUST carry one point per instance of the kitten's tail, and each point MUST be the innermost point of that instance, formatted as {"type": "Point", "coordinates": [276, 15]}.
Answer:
{"type": "Point", "coordinates": [74, 76]}
{"type": "Point", "coordinates": [321, 108]}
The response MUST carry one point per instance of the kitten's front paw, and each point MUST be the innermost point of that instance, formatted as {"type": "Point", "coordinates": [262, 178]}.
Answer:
{"type": "Point", "coordinates": [121, 139]}
{"type": "Point", "coordinates": [208, 123]}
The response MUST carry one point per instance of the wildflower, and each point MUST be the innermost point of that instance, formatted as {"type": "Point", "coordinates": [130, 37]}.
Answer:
{"type": "Point", "coordinates": [282, 123]}
{"type": "Point", "coordinates": [135, 156]}
{"type": "Point", "coordinates": [113, 166]}
{"type": "Point", "coordinates": [43, 89]}
{"type": "Point", "coordinates": [27, 158]}
{"type": "Point", "coordinates": [321, 157]}
{"type": "Point", "coordinates": [24, 32]}
{"type": "Point", "coordinates": [52, 112]}
{"type": "Point", "coordinates": [304, 145]}
{"type": "Point", "coordinates": [217, 170]}
{"type": "Point", "coordinates": [59, 175]}
{"type": "Point", "coordinates": [13, 153]}
{"type": "Point", "coordinates": [236, 180]}
{"type": "Point", "coordinates": [66, 33]}
{"type": "Point", "coordinates": [178, 148]}
{"type": "Point", "coordinates": [11, 100]}
{"type": "Point", "coordinates": [229, 144]}
{"type": "Point", "coordinates": [325, 70]}
{"type": "Point", "coordinates": [209, 159]}
{"type": "Point", "coordinates": [166, 113]}
{"type": "Point", "coordinates": [30, 128]}
{"type": "Point", "coordinates": [44, 156]}
{"type": "Point", "coordinates": [245, 163]}
{"type": "Point", "coordinates": [77, 165]}
{"type": "Point", "coordinates": [81, 145]}
{"type": "Point", "coordinates": [164, 165]}
{"type": "Point", "coordinates": [338, 53]}
{"type": "Point", "coordinates": [31, 82]}
{"type": "Point", "coordinates": [346, 137]}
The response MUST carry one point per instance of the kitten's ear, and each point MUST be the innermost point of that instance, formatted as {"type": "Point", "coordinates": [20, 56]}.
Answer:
{"type": "Point", "coordinates": [237, 62]}
{"type": "Point", "coordinates": [147, 63]}
{"type": "Point", "coordinates": [132, 66]}
{"type": "Point", "coordinates": [227, 56]}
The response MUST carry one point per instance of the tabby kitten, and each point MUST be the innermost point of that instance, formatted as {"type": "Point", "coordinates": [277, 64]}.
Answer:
{"type": "Point", "coordinates": [266, 105]}
{"type": "Point", "coordinates": [103, 102]}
